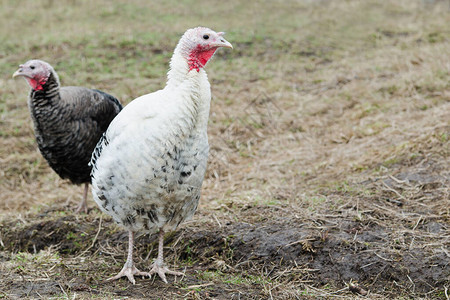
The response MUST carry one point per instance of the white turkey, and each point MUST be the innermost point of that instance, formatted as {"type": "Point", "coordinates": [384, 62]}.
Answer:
{"type": "Point", "coordinates": [68, 121]}
{"type": "Point", "coordinates": [149, 166]}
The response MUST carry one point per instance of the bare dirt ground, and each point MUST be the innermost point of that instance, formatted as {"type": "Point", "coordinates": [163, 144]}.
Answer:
{"type": "Point", "coordinates": [329, 174]}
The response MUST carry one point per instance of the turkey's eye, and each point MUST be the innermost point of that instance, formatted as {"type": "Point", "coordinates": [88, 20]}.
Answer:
{"type": "Point", "coordinates": [206, 36]}
{"type": "Point", "coordinates": [32, 67]}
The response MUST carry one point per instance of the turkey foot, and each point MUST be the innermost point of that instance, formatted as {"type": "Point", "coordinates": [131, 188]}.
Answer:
{"type": "Point", "coordinates": [82, 207]}
{"type": "Point", "coordinates": [158, 265]}
{"type": "Point", "coordinates": [129, 270]}
{"type": "Point", "coordinates": [162, 270]}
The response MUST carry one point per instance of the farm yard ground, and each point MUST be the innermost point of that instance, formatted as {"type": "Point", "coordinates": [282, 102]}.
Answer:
{"type": "Point", "coordinates": [329, 169]}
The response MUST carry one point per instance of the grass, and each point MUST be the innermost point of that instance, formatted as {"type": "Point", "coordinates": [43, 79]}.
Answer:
{"type": "Point", "coordinates": [328, 117]}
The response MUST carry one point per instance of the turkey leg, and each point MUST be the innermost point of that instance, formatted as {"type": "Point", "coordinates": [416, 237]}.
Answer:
{"type": "Point", "coordinates": [158, 265]}
{"type": "Point", "coordinates": [83, 204]}
{"type": "Point", "coordinates": [129, 270]}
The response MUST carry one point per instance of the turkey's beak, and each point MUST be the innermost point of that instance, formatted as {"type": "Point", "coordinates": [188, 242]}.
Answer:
{"type": "Point", "coordinates": [19, 72]}
{"type": "Point", "coordinates": [223, 43]}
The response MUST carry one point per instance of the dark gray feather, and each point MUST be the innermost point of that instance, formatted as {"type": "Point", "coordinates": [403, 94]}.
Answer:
{"type": "Point", "coordinates": [68, 123]}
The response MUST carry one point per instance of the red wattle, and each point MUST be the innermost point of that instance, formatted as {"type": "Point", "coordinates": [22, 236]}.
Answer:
{"type": "Point", "coordinates": [35, 85]}
{"type": "Point", "coordinates": [204, 56]}
{"type": "Point", "coordinates": [199, 57]}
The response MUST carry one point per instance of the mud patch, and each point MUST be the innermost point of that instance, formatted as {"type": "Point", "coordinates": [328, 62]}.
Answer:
{"type": "Point", "coordinates": [229, 260]}
{"type": "Point", "coordinates": [39, 235]}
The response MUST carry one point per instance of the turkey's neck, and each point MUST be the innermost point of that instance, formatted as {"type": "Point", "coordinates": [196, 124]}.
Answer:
{"type": "Point", "coordinates": [194, 83]}
{"type": "Point", "coordinates": [49, 93]}
{"type": "Point", "coordinates": [179, 69]}
{"type": "Point", "coordinates": [44, 105]}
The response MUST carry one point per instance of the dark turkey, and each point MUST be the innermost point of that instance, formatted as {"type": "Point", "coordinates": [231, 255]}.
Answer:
{"type": "Point", "coordinates": [68, 121]}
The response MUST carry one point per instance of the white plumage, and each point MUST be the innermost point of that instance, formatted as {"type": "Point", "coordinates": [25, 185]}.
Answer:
{"type": "Point", "coordinates": [149, 166]}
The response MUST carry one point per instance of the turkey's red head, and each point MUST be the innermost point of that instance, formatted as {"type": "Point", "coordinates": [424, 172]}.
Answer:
{"type": "Point", "coordinates": [199, 45]}
{"type": "Point", "coordinates": [36, 73]}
